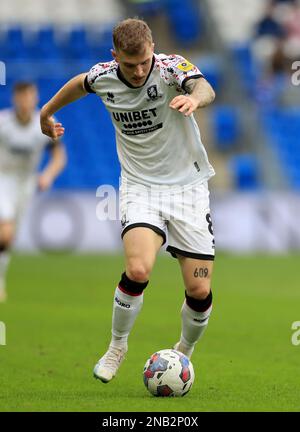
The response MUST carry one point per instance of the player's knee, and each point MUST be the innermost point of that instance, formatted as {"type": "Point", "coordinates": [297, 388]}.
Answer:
{"type": "Point", "coordinates": [138, 271]}
{"type": "Point", "coordinates": [6, 235]}
{"type": "Point", "coordinates": [199, 290]}
{"type": "Point", "coordinates": [199, 304]}
{"type": "Point", "coordinates": [130, 286]}
{"type": "Point", "coordinates": [6, 240]}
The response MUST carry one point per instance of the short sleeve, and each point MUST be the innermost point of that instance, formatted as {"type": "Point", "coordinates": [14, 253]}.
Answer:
{"type": "Point", "coordinates": [180, 70]}
{"type": "Point", "coordinates": [91, 77]}
{"type": "Point", "coordinates": [95, 73]}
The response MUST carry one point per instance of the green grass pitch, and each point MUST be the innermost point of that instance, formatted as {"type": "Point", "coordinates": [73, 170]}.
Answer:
{"type": "Point", "coordinates": [58, 318]}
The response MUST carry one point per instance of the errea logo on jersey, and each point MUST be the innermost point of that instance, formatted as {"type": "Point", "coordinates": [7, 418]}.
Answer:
{"type": "Point", "coordinates": [110, 97]}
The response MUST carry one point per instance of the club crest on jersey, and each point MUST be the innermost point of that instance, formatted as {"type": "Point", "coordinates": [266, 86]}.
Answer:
{"type": "Point", "coordinates": [152, 92]}
{"type": "Point", "coordinates": [185, 66]}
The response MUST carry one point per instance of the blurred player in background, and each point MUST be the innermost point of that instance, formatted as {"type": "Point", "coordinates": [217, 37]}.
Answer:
{"type": "Point", "coordinates": [151, 99]}
{"type": "Point", "coordinates": [21, 147]}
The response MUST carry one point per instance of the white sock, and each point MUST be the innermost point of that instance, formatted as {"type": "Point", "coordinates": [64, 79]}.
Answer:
{"type": "Point", "coordinates": [4, 261]}
{"type": "Point", "coordinates": [193, 325]}
{"type": "Point", "coordinates": [125, 310]}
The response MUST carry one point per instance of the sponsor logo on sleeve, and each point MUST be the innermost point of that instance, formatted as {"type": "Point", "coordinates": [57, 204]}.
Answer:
{"type": "Point", "coordinates": [185, 66]}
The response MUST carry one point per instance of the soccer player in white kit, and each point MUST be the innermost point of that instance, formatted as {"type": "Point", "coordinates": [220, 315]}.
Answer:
{"type": "Point", "coordinates": [151, 99]}
{"type": "Point", "coordinates": [21, 147]}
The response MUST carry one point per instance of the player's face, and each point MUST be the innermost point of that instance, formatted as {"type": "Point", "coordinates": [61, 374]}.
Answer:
{"type": "Point", "coordinates": [135, 68]}
{"type": "Point", "coordinates": [25, 101]}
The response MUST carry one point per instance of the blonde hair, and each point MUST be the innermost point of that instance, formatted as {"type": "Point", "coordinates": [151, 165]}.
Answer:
{"type": "Point", "coordinates": [131, 35]}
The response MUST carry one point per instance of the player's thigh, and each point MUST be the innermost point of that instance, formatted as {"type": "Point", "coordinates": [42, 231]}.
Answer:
{"type": "Point", "coordinates": [190, 230]}
{"type": "Point", "coordinates": [197, 274]}
{"type": "Point", "coordinates": [7, 232]}
{"type": "Point", "coordinates": [141, 245]}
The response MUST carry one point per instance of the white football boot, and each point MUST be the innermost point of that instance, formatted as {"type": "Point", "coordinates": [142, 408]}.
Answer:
{"type": "Point", "coordinates": [108, 365]}
{"type": "Point", "coordinates": [186, 351]}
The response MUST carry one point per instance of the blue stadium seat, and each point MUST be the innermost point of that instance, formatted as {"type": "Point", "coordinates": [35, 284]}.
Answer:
{"type": "Point", "coordinates": [245, 170]}
{"type": "Point", "coordinates": [101, 44]}
{"type": "Point", "coordinates": [185, 20]}
{"type": "Point", "coordinates": [226, 127]}
{"type": "Point", "coordinates": [147, 8]}
{"type": "Point", "coordinates": [76, 45]}
{"type": "Point", "coordinates": [13, 45]}
{"type": "Point", "coordinates": [282, 126]}
{"type": "Point", "coordinates": [211, 68]}
{"type": "Point", "coordinates": [44, 45]}
{"type": "Point", "coordinates": [246, 66]}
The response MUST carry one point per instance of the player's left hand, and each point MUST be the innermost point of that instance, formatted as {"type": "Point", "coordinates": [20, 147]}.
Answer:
{"type": "Point", "coordinates": [44, 181]}
{"type": "Point", "coordinates": [184, 104]}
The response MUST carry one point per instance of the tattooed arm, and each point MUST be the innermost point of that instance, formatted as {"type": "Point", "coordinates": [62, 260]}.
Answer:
{"type": "Point", "coordinates": [200, 94]}
{"type": "Point", "coordinates": [201, 90]}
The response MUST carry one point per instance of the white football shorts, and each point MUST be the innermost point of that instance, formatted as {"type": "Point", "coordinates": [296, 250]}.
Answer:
{"type": "Point", "coordinates": [15, 193]}
{"type": "Point", "coordinates": [180, 214]}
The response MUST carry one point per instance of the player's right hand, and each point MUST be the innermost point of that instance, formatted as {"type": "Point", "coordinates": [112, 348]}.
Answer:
{"type": "Point", "coordinates": [51, 128]}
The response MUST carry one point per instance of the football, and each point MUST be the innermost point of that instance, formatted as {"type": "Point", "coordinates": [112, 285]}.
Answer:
{"type": "Point", "coordinates": [168, 373]}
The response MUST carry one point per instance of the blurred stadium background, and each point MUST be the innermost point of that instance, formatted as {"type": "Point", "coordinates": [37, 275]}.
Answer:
{"type": "Point", "coordinates": [58, 314]}
{"type": "Point", "coordinates": [244, 48]}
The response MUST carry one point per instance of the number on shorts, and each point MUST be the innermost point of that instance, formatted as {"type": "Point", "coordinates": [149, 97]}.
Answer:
{"type": "Point", "coordinates": [210, 225]}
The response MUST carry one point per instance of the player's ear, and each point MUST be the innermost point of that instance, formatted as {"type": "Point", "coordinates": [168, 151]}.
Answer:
{"type": "Point", "coordinates": [114, 54]}
{"type": "Point", "coordinates": [153, 47]}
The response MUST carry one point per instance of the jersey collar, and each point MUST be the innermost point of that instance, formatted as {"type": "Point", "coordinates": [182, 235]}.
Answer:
{"type": "Point", "coordinates": [121, 78]}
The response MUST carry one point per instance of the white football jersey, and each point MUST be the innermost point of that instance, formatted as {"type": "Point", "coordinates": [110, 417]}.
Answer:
{"type": "Point", "coordinates": [155, 144]}
{"type": "Point", "coordinates": [21, 145]}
